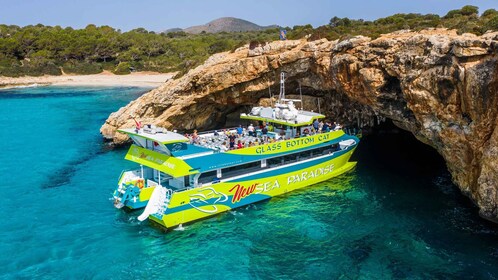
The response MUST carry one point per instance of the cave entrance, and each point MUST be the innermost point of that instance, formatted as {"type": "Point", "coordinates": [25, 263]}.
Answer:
{"type": "Point", "coordinates": [412, 178]}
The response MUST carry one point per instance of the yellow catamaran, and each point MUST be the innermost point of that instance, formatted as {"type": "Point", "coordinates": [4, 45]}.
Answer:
{"type": "Point", "coordinates": [183, 179]}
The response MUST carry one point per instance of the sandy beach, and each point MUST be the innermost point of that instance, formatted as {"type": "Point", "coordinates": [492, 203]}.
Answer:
{"type": "Point", "coordinates": [145, 79]}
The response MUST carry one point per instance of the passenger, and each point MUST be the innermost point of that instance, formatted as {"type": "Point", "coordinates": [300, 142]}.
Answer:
{"type": "Point", "coordinates": [224, 147]}
{"type": "Point", "coordinates": [232, 141]}
{"type": "Point", "coordinates": [326, 127]}
{"type": "Point", "coordinates": [227, 132]}
{"type": "Point", "coordinates": [250, 129]}
{"type": "Point", "coordinates": [316, 123]}
{"type": "Point", "coordinates": [138, 125]}
{"type": "Point", "coordinates": [216, 133]}
{"type": "Point", "coordinates": [320, 127]}
{"type": "Point", "coordinates": [332, 127]}
{"type": "Point", "coordinates": [240, 130]}
{"type": "Point", "coordinates": [264, 131]}
{"type": "Point", "coordinates": [251, 144]}
{"type": "Point", "coordinates": [191, 141]}
{"type": "Point", "coordinates": [306, 132]}
{"type": "Point", "coordinates": [239, 145]}
{"type": "Point", "coordinates": [337, 126]}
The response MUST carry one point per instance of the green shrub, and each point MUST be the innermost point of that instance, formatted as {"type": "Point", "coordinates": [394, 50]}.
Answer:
{"type": "Point", "coordinates": [492, 24]}
{"type": "Point", "coordinates": [490, 12]}
{"type": "Point", "coordinates": [123, 68]}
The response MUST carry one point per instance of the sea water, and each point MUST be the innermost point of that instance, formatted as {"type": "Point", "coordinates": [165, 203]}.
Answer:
{"type": "Point", "coordinates": [396, 216]}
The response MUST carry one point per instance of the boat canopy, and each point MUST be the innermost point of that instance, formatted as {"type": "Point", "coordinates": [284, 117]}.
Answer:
{"type": "Point", "coordinates": [157, 135]}
{"type": "Point", "coordinates": [267, 114]}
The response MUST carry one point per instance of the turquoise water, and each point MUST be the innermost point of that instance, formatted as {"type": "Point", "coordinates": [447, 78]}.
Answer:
{"type": "Point", "coordinates": [397, 216]}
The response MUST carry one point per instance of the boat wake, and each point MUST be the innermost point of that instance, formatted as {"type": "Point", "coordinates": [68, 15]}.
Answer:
{"type": "Point", "coordinates": [180, 228]}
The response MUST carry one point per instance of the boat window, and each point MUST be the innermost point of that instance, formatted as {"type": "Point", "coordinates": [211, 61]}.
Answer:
{"type": "Point", "coordinates": [290, 158]}
{"type": "Point", "coordinates": [272, 162]}
{"type": "Point", "coordinates": [207, 177]}
{"type": "Point", "coordinates": [241, 169]}
{"type": "Point", "coordinates": [304, 155]}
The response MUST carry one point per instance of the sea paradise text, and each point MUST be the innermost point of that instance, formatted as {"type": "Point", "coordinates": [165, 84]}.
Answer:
{"type": "Point", "coordinates": [293, 143]}
{"type": "Point", "coordinates": [240, 191]}
{"type": "Point", "coordinates": [308, 175]}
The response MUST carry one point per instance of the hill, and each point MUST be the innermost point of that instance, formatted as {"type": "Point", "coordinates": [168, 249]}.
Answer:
{"type": "Point", "coordinates": [226, 24]}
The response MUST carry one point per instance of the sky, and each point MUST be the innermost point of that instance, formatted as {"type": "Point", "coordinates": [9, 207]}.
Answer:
{"type": "Point", "coordinates": [159, 15]}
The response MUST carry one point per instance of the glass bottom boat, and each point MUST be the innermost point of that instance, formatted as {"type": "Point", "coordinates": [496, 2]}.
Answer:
{"type": "Point", "coordinates": [183, 179]}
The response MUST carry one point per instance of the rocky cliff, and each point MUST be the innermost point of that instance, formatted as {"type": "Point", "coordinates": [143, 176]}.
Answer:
{"type": "Point", "coordinates": [439, 85]}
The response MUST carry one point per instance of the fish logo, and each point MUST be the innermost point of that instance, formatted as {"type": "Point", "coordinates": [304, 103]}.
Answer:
{"type": "Point", "coordinates": [203, 197]}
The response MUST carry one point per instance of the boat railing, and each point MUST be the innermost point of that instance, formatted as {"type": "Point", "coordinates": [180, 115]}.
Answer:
{"type": "Point", "coordinates": [231, 129]}
{"type": "Point", "coordinates": [129, 175]}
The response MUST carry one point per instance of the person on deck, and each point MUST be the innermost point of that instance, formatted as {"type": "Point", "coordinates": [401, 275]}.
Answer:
{"type": "Point", "coordinates": [264, 132]}
{"type": "Point", "coordinates": [195, 136]}
{"type": "Point", "coordinates": [138, 125]}
{"type": "Point", "coordinates": [240, 130]}
{"type": "Point", "coordinates": [250, 129]}
{"type": "Point", "coordinates": [326, 127]}
{"type": "Point", "coordinates": [239, 145]}
{"type": "Point", "coordinates": [316, 123]}
{"type": "Point", "coordinates": [216, 133]}
{"type": "Point", "coordinates": [224, 147]}
{"type": "Point", "coordinates": [332, 127]}
{"type": "Point", "coordinates": [232, 141]}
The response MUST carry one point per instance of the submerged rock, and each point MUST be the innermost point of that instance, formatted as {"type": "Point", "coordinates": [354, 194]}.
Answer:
{"type": "Point", "coordinates": [438, 85]}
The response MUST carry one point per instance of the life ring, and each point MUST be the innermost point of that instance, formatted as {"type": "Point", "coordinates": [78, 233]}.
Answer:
{"type": "Point", "coordinates": [140, 183]}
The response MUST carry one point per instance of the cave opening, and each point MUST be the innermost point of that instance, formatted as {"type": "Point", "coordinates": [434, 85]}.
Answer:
{"type": "Point", "coordinates": [415, 177]}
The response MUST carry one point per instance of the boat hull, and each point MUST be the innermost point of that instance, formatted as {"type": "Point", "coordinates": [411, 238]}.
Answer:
{"type": "Point", "coordinates": [202, 202]}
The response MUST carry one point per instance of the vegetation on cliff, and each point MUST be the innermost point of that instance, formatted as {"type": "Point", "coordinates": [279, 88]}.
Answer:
{"type": "Point", "coordinates": [37, 50]}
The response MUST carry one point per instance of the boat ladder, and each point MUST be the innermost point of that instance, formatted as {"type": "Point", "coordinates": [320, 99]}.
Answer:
{"type": "Point", "coordinates": [123, 193]}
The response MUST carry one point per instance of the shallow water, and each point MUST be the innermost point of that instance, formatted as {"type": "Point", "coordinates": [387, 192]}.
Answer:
{"type": "Point", "coordinates": [396, 216]}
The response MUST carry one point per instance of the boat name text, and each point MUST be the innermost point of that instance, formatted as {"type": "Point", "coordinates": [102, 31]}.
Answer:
{"type": "Point", "coordinates": [290, 144]}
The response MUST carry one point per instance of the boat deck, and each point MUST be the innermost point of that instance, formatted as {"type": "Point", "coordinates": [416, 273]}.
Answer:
{"type": "Point", "coordinates": [215, 142]}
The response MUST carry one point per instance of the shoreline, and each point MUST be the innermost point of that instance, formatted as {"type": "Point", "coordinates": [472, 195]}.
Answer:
{"type": "Point", "coordinates": [143, 79]}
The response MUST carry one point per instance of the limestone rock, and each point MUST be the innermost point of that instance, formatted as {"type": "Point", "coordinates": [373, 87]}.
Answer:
{"type": "Point", "coordinates": [441, 86]}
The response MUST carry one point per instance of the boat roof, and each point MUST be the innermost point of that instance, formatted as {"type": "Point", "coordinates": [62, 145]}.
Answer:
{"type": "Point", "coordinates": [267, 115]}
{"type": "Point", "coordinates": [158, 135]}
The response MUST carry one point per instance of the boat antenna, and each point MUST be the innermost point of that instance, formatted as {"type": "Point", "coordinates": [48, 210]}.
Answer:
{"type": "Point", "coordinates": [301, 96]}
{"type": "Point", "coordinates": [282, 87]}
